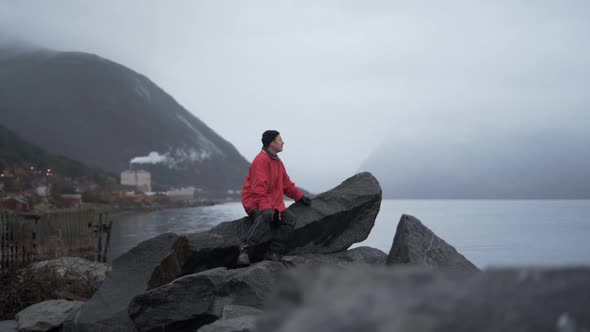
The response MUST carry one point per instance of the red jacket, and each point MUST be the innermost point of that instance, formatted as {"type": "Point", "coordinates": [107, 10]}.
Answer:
{"type": "Point", "coordinates": [266, 183]}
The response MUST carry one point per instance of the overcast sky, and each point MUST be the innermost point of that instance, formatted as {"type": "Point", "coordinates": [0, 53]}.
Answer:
{"type": "Point", "coordinates": [338, 78]}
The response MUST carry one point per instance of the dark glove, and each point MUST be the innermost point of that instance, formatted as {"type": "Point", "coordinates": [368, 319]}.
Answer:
{"type": "Point", "coordinates": [305, 200]}
{"type": "Point", "coordinates": [254, 215]}
{"type": "Point", "coordinates": [267, 215]}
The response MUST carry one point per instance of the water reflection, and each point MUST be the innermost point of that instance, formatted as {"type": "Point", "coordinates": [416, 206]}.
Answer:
{"type": "Point", "coordinates": [131, 229]}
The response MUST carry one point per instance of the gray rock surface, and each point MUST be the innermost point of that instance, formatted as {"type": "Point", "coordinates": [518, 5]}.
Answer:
{"type": "Point", "coordinates": [241, 324]}
{"type": "Point", "coordinates": [46, 315]}
{"type": "Point", "coordinates": [75, 269]}
{"type": "Point", "coordinates": [414, 299]}
{"type": "Point", "coordinates": [234, 318]}
{"type": "Point", "coordinates": [235, 311]}
{"type": "Point", "coordinates": [107, 309]}
{"type": "Point", "coordinates": [357, 256]}
{"type": "Point", "coordinates": [195, 300]}
{"type": "Point", "coordinates": [335, 220]}
{"type": "Point", "coordinates": [415, 244]}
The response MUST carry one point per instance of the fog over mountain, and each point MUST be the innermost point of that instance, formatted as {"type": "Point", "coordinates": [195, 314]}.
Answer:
{"type": "Point", "coordinates": [349, 82]}
{"type": "Point", "coordinates": [548, 164]}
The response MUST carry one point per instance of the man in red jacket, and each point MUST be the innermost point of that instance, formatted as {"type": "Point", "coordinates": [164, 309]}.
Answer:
{"type": "Point", "coordinates": [262, 196]}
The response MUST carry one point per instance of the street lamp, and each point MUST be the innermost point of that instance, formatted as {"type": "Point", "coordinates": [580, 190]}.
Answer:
{"type": "Point", "coordinates": [2, 193]}
{"type": "Point", "coordinates": [47, 175]}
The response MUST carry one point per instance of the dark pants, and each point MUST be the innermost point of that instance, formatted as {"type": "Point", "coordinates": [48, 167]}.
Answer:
{"type": "Point", "coordinates": [281, 227]}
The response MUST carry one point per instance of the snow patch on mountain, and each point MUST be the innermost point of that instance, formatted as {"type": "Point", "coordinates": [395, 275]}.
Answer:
{"type": "Point", "coordinates": [201, 139]}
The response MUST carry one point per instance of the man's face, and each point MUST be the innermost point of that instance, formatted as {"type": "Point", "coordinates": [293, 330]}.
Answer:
{"type": "Point", "coordinates": [277, 144]}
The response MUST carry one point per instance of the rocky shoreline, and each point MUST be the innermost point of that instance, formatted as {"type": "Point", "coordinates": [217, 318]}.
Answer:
{"type": "Point", "coordinates": [190, 282]}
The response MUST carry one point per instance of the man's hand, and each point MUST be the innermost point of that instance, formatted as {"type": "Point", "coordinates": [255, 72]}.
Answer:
{"type": "Point", "coordinates": [254, 215]}
{"type": "Point", "coordinates": [305, 200]}
{"type": "Point", "coordinates": [267, 215]}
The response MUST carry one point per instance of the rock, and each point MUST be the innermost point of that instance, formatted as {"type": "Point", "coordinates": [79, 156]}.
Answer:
{"type": "Point", "coordinates": [107, 309]}
{"type": "Point", "coordinates": [338, 218]}
{"type": "Point", "coordinates": [415, 244]}
{"type": "Point", "coordinates": [197, 299]}
{"type": "Point", "coordinates": [236, 311]}
{"type": "Point", "coordinates": [195, 253]}
{"type": "Point", "coordinates": [335, 220]}
{"type": "Point", "coordinates": [359, 256]}
{"type": "Point", "coordinates": [46, 315]}
{"type": "Point", "coordinates": [8, 326]}
{"type": "Point", "coordinates": [75, 269]}
{"type": "Point", "coordinates": [241, 324]}
{"type": "Point", "coordinates": [234, 318]}
{"type": "Point", "coordinates": [414, 299]}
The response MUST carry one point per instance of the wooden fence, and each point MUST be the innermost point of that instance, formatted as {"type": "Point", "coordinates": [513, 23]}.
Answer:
{"type": "Point", "coordinates": [26, 238]}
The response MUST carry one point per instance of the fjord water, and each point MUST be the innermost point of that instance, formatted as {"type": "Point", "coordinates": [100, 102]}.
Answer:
{"type": "Point", "coordinates": [487, 232]}
{"type": "Point", "coordinates": [498, 232]}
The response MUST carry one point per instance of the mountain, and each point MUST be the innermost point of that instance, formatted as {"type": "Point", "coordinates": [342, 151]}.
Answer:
{"type": "Point", "coordinates": [104, 114]}
{"type": "Point", "coordinates": [544, 164]}
{"type": "Point", "coordinates": [17, 153]}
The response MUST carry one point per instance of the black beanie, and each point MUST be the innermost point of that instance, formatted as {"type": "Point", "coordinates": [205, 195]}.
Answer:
{"type": "Point", "coordinates": [269, 136]}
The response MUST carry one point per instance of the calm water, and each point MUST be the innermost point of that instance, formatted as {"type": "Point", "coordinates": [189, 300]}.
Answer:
{"type": "Point", "coordinates": [488, 233]}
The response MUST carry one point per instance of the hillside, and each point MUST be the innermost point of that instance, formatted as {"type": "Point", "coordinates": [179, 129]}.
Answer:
{"type": "Point", "coordinates": [104, 114]}
{"type": "Point", "coordinates": [17, 154]}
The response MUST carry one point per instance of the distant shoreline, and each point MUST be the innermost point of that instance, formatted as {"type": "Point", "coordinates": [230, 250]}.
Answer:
{"type": "Point", "coordinates": [125, 210]}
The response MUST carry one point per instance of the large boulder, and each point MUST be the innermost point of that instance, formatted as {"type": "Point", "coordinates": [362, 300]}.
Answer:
{"type": "Point", "coordinates": [75, 270]}
{"type": "Point", "coordinates": [46, 315]}
{"type": "Point", "coordinates": [197, 299]}
{"type": "Point", "coordinates": [67, 278]}
{"type": "Point", "coordinates": [130, 276]}
{"type": "Point", "coordinates": [414, 299]}
{"type": "Point", "coordinates": [335, 220]}
{"type": "Point", "coordinates": [415, 244]}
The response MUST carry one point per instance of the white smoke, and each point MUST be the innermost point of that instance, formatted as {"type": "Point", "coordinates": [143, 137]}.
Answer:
{"type": "Point", "coordinates": [173, 158]}
{"type": "Point", "coordinates": [152, 158]}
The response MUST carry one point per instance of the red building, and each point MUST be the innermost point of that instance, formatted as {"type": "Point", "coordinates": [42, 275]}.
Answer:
{"type": "Point", "coordinates": [73, 200]}
{"type": "Point", "coordinates": [16, 203]}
